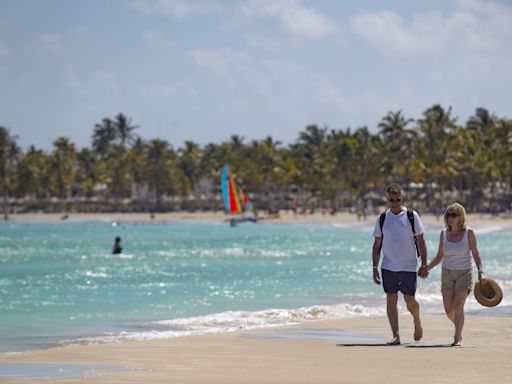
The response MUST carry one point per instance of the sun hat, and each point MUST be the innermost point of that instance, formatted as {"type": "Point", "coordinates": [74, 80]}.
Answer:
{"type": "Point", "coordinates": [489, 294]}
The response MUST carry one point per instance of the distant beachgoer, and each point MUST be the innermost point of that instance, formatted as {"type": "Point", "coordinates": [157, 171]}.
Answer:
{"type": "Point", "coordinates": [117, 246]}
{"type": "Point", "coordinates": [400, 236]}
{"type": "Point", "coordinates": [457, 243]}
{"type": "Point", "coordinates": [360, 210]}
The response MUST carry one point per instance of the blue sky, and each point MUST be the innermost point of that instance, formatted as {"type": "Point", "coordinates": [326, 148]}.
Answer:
{"type": "Point", "coordinates": [204, 70]}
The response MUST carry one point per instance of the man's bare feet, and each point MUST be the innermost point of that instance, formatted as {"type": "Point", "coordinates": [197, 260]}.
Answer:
{"type": "Point", "coordinates": [457, 343]}
{"type": "Point", "coordinates": [394, 341]}
{"type": "Point", "coordinates": [418, 332]}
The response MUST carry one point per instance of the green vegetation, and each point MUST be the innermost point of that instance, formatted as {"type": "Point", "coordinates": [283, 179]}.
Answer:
{"type": "Point", "coordinates": [434, 158]}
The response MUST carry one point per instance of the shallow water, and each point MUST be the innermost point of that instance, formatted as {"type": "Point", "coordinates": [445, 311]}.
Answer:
{"type": "Point", "coordinates": [55, 371]}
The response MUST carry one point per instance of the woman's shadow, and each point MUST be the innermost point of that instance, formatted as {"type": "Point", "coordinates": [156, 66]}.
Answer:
{"type": "Point", "coordinates": [406, 345]}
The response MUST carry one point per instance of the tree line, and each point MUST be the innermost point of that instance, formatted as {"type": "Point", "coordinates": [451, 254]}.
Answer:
{"type": "Point", "coordinates": [428, 156]}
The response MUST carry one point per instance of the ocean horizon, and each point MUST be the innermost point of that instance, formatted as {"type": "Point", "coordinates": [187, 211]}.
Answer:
{"type": "Point", "coordinates": [60, 282]}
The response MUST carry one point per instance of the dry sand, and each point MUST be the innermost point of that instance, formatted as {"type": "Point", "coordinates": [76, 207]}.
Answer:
{"type": "Point", "coordinates": [474, 220]}
{"type": "Point", "coordinates": [335, 351]}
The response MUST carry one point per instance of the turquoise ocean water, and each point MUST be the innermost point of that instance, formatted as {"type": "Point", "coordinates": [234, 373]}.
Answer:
{"type": "Point", "coordinates": [59, 282]}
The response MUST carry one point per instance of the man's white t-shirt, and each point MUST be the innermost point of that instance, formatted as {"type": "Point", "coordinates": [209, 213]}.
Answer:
{"type": "Point", "coordinates": [398, 248]}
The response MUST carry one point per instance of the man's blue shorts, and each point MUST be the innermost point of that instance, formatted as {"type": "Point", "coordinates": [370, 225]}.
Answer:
{"type": "Point", "coordinates": [404, 282]}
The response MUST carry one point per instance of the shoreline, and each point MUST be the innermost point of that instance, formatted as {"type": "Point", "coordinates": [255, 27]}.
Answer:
{"type": "Point", "coordinates": [325, 351]}
{"type": "Point", "coordinates": [475, 220]}
{"type": "Point", "coordinates": [246, 320]}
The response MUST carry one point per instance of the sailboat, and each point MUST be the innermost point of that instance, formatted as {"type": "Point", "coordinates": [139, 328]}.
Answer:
{"type": "Point", "coordinates": [236, 201]}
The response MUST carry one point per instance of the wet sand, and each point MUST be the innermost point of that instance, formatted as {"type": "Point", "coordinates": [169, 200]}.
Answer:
{"type": "Point", "coordinates": [335, 351]}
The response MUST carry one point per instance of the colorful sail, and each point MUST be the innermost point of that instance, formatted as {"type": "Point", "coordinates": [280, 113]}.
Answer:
{"type": "Point", "coordinates": [235, 199]}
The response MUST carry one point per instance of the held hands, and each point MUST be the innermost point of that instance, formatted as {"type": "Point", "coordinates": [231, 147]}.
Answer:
{"type": "Point", "coordinates": [423, 272]}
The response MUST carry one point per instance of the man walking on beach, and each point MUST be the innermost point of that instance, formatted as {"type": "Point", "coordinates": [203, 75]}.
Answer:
{"type": "Point", "coordinates": [399, 233]}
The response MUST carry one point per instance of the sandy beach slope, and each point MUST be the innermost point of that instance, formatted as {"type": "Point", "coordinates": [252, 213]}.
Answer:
{"type": "Point", "coordinates": [334, 351]}
{"type": "Point", "coordinates": [474, 220]}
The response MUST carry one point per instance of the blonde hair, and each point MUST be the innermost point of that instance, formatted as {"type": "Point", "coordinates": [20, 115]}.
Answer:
{"type": "Point", "coordinates": [460, 211]}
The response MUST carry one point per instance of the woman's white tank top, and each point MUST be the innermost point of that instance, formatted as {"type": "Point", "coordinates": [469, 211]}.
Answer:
{"type": "Point", "coordinates": [457, 255]}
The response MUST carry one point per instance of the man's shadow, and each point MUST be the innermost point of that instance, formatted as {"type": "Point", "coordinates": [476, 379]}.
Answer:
{"type": "Point", "coordinates": [406, 345]}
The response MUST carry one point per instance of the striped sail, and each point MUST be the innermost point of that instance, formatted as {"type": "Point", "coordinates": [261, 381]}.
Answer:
{"type": "Point", "coordinates": [235, 200]}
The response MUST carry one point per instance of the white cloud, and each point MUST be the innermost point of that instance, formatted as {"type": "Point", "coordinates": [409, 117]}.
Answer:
{"type": "Point", "coordinates": [383, 29]}
{"type": "Point", "coordinates": [4, 50]}
{"type": "Point", "coordinates": [158, 40]}
{"type": "Point", "coordinates": [295, 18]}
{"type": "Point", "coordinates": [219, 61]}
{"type": "Point", "coordinates": [280, 96]}
{"type": "Point", "coordinates": [475, 25]}
{"type": "Point", "coordinates": [50, 43]}
{"type": "Point", "coordinates": [180, 88]}
{"type": "Point", "coordinates": [178, 8]}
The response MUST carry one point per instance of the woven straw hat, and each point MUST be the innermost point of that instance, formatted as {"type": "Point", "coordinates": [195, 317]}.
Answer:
{"type": "Point", "coordinates": [489, 294]}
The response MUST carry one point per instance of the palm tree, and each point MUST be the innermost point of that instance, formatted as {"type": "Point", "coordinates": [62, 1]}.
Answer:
{"type": "Point", "coordinates": [189, 164]}
{"type": "Point", "coordinates": [265, 170]}
{"type": "Point", "coordinates": [341, 162]}
{"type": "Point", "coordinates": [214, 156]}
{"type": "Point", "coordinates": [87, 172]}
{"type": "Point", "coordinates": [9, 155]}
{"type": "Point", "coordinates": [237, 142]}
{"type": "Point", "coordinates": [483, 122]}
{"type": "Point", "coordinates": [309, 153]}
{"type": "Point", "coordinates": [32, 174]}
{"type": "Point", "coordinates": [483, 125]}
{"type": "Point", "coordinates": [365, 152]}
{"type": "Point", "coordinates": [124, 128]}
{"type": "Point", "coordinates": [118, 171]}
{"type": "Point", "coordinates": [158, 169]}
{"type": "Point", "coordinates": [466, 163]}
{"type": "Point", "coordinates": [502, 151]}
{"type": "Point", "coordinates": [63, 166]}
{"type": "Point", "coordinates": [435, 129]}
{"type": "Point", "coordinates": [313, 136]}
{"type": "Point", "coordinates": [394, 133]}
{"type": "Point", "coordinates": [137, 155]}
{"type": "Point", "coordinates": [103, 137]}
{"type": "Point", "coordinates": [393, 125]}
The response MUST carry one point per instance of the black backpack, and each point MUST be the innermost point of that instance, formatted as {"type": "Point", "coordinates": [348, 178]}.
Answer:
{"type": "Point", "coordinates": [410, 216]}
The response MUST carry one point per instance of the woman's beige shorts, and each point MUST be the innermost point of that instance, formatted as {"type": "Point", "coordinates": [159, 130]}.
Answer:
{"type": "Point", "coordinates": [456, 279]}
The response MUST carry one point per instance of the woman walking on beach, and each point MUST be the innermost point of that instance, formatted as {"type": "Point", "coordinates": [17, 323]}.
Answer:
{"type": "Point", "coordinates": [457, 243]}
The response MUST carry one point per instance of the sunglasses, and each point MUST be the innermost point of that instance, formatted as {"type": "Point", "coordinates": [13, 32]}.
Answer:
{"type": "Point", "coordinates": [394, 200]}
{"type": "Point", "coordinates": [453, 215]}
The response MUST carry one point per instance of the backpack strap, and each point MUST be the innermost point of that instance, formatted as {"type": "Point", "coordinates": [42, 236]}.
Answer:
{"type": "Point", "coordinates": [382, 217]}
{"type": "Point", "coordinates": [410, 216]}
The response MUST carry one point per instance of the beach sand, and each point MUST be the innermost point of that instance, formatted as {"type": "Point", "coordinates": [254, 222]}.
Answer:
{"type": "Point", "coordinates": [335, 351]}
{"type": "Point", "coordinates": [474, 220]}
